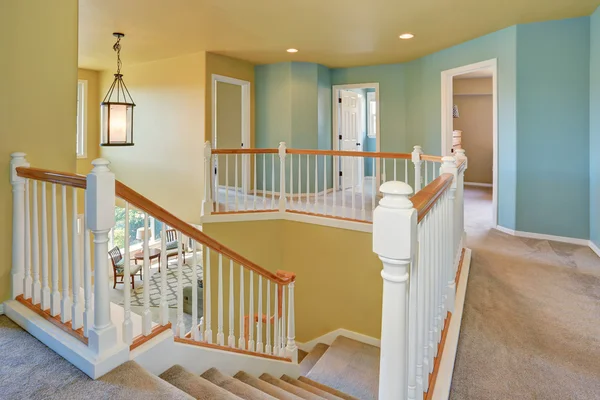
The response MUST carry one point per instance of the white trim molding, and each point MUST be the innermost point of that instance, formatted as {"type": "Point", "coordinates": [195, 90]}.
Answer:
{"type": "Point", "coordinates": [447, 121]}
{"type": "Point", "coordinates": [2, 309]}
{"type": "Point", "coordinates": [478, 184]}
{"type": "Point", "coordinates": [594, 248]}
{"type": "Point", "coordinates": [328, 339]}
{"type": "Point", "coordinates": [542, 236]}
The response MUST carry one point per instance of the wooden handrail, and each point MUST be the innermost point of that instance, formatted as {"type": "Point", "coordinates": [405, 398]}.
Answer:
{"type": "Point", "coordinates": [342, 153]}
{"type": "Point", "coordinates": [143, 204]}
{"type": "Point", "coordinates": [244, 151]}
{"type": "Point", "coordinates": [425, 157]}
{"type": "Point", "coordinates": [45, 175]}
{"type": "Point", "coordinates": [424, 200]}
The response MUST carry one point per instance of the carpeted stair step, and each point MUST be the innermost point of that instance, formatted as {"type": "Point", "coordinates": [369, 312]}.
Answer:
{"type": "Point", "coordinates": [235, 386]}
{"type": "Point", "coordinates": [326, 388]}
{"type": "Point", "coordinates": [305, 394]}
{"type": "Point", "coordinates": [311, 359]}
{"type": "Point", "coordinates": [269, 389]}
{"type": "Point", "coordinates": [309, 388]}
{"type": "Point", "coordinates": [195, 386]}
{"type": "Point", "coordinates": [349, 366]}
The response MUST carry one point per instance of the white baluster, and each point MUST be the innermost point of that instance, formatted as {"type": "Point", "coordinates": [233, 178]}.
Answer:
{"type": "Point", "coordinates": [264, 182]}
{"type": "Point", "coordinates": [100, 218]}
{"type": "Point", "coordinates": [431, 288]}
{"type": "Point", "coordinates": [291, 348]}
{"type": "Point", "coordinates": [220, 334]}
{"type": "Point", "coordinates": [127, 323]}
{"type": "Point", "coordinates": [180, 324]}
{"type": "Point", "coordinates": [88, 311]}
{"type": "Point", "coordinates": [254, 189]}
{"type": "Point", "coordinates": [334, 165]}
{"type": "Point", "coordinates": [208, 335]}
{"type": "Point", "coordinates": [37, 286]}
{"type": "Point", "coordinates": [18, 224]}
{"type": "Point", "coordinates": [406, 170]}
{"type": "Point", "coordinates": [76, 310]}
{"type": "Point", "coordinates": [245, 159]}
{"type": "Point", "coordinates": [208, 182]}
{"type": "Point", "coordinates": [231, 337]}
{"type": "Point", "coordinates": [282, 185]}
{"type": "Point", "coordinates": [353, 185]}
{"type": "Point", "coordinates": [363, 212]}
{"type": "Point", "coordinates": [237, 206]}
{"type": "Point", "coordinates": [251, 314]}
{"type": "Point", "coordinates": [291, 205]}
{"type": "Point", "coordinates": [316, 184]}
{"type": "Point", "coordinates": [325, 185]}
{"type": "Point", "coordinates": [395, 169]}
{"type": "Point", "coordinates": [226, 182]}
{"type": "Point", "coordinates": [343, 187]}
{"type": "Point", "coordinates": [164, 304]}
{"type": "Point", "coordinates": [27, 281]}
{"type": "Point", "coordinates": [307, 182]}
{"type": "Point", "coordinates": [65, 303]}
{"type": "Point", "coordinates": [196, 335]}
{"type": "Point", "coordinates": [55, 294]}
{"type": "Point", "coordinates": [383, 171]}
{"type": "Point", "coordinates": [276, 341]}
{"type": "Point", "coordinates": [420, 308]}
{"type": "Point", "coordinates": [426, 174]}
{"type": "Point", "coordinates": [217, 182]}
{"type": "Point", "coordinates": [45, 272]}
{"type": "Point", "coordinates": [416, 159]}
{"type": "Point", "coordinates": [242, 339]}
{"type": "Point", "coordinates": [146, 314]}
{"type": "Point", "coordinates": [394, 218]}
{"type": "Point", "coordinates": [299, 181]}
{"type": "Point", "coordinates": [283, 323]}
{"type": "Point", "coordinates": [273, 181]}
{"type": "Point", "coordinates": [413, 294]}
{"type": "Point", "coordinates": [425, 274]}
{"type": "Point", "coordinates": [259, 336]}
{"type": "Point", "coordinates": [268, 347]}
{"type": "Point", "coordinates": [374, 186]}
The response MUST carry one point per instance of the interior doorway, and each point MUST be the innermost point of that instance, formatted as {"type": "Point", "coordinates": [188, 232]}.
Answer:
{"type": "Point", "coordinates": [469, 121]}
{"type": "Point", "coordinates": [231, 126]}
{"type": "Point", "coordinates": [356, 128]}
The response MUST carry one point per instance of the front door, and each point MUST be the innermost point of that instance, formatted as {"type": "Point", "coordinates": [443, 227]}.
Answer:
{"type": "Point", "coordinates": [349, 137]}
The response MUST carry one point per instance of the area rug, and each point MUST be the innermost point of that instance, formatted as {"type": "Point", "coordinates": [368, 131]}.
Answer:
{"type": "Point", "coordinates": [137, 295]}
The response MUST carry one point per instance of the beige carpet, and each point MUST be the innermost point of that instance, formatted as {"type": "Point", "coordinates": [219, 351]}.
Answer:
{"type": "Point", "coordinates": [531, 323]}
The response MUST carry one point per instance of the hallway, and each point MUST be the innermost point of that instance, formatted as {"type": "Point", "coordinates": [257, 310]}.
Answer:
{"type": "Point", "coordinates": [530, 325]}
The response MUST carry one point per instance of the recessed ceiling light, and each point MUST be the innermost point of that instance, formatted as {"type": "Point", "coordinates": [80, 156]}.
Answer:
{"type": "Point", "coordinates": [407, 36]}
{"type": "Point", "coordinates": [292, 50]}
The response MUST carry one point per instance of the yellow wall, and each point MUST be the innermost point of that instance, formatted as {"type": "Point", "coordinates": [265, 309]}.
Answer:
{"type": "Point", "coordinates": [39, 114]}
{"type": "Point", "coordinates": [338, 282]}
{"type": "Point", "coordinates": [233, 68]}
{"type": "Point", "coordinates": [92, 120]}
{"type": "Point", "coordinates": [166, 164]}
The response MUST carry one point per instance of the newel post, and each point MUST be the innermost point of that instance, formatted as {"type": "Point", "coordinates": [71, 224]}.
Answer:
{"type": "Point", "coordinates": [449, 167]}
{"type": "Point", "coordinates": [394, 240]}
{"type": "Point", "coordinates": [416, 159]}
{"type": "Point", "coordinates": [282, 190]}
{"type": "Point", "coordinates": [207, 202]}
{"type": "Point", "coordinates": [100, 219]}
{"type": "Point", "coordinates": [18, 224]}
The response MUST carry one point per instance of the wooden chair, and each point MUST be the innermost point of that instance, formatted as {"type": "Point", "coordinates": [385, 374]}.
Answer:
{"type": "Point", "coordinates": [118, 263]}
{"type": "Point", "coordinates": [171, 245]}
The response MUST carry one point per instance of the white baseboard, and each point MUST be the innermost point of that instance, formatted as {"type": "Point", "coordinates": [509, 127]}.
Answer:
{"type": "Point", "coordinates": [441, 391]}
{"type": "Point", "coordinates": [542, 236]}
{"type": "Point", "coordinates": [2, 309]}
{"type": "Point", "coordinates": [594, 248]}
{"type": "Point", "coordinates": [478, 184]}
{"type": "Point", "coordinates": [328, 339]}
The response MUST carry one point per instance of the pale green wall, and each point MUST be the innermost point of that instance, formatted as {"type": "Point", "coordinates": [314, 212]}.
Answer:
{"type": "Point", "coordinates": [594, 108]}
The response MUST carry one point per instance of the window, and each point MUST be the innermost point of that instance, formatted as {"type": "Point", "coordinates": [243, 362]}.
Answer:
{"type": "Point", "coordinates": [136, 222]}
{"type": "Point", "coordinates": [81, 120]}
{"type": "Point", "coordinates": [372, 113]}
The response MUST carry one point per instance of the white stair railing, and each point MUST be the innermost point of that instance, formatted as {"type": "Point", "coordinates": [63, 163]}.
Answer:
{"type": "Point", "coordinates": [419, 240]}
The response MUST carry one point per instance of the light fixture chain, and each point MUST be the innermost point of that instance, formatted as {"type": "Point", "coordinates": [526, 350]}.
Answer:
{"type": "Point", "coordinates": [117, 48]}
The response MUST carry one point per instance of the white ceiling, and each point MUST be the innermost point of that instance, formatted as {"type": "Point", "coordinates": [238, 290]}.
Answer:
{"type": "Point", "coordinates": [337, 33]}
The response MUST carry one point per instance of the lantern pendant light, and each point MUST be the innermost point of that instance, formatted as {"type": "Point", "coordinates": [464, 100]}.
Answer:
{"type": "Point", "coordinates": [116, 109]}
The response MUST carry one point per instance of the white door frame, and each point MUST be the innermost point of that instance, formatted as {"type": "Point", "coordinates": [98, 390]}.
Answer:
{"type": "Point", "coordinates": [335, 123]}
{"type": "Point", "coordinates": [447, 120]}
{"type": "Point", "coordinates": [245, 121]}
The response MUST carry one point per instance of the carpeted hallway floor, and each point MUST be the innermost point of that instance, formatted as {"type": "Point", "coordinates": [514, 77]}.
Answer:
{"type": "Point", "coordinates": [530, 328]}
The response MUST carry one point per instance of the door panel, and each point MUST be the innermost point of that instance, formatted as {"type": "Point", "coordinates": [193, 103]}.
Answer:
{"type": "Point", "coordinates": [350, 136]}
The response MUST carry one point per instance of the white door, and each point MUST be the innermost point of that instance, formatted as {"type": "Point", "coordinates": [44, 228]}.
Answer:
{"type": "Point", "coordinates": [350, 134]}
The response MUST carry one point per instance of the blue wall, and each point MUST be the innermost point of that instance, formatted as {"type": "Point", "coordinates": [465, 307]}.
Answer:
{"type": "Point", "coordinates": [553, 127]}
{"type": "Point", "coordinates": [423, 94]}
{"type": "Point", "coordinates": [594, 152]}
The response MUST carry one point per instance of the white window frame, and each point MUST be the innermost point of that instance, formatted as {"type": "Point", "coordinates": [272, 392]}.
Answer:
{"type": "Point", "coordinates": [81, 144]}
{"type": "Point", "coordinates": [372, 118]}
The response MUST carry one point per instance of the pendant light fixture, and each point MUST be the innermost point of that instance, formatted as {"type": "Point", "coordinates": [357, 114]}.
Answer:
{"type": "Point", "coordinates": [116, 109]}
